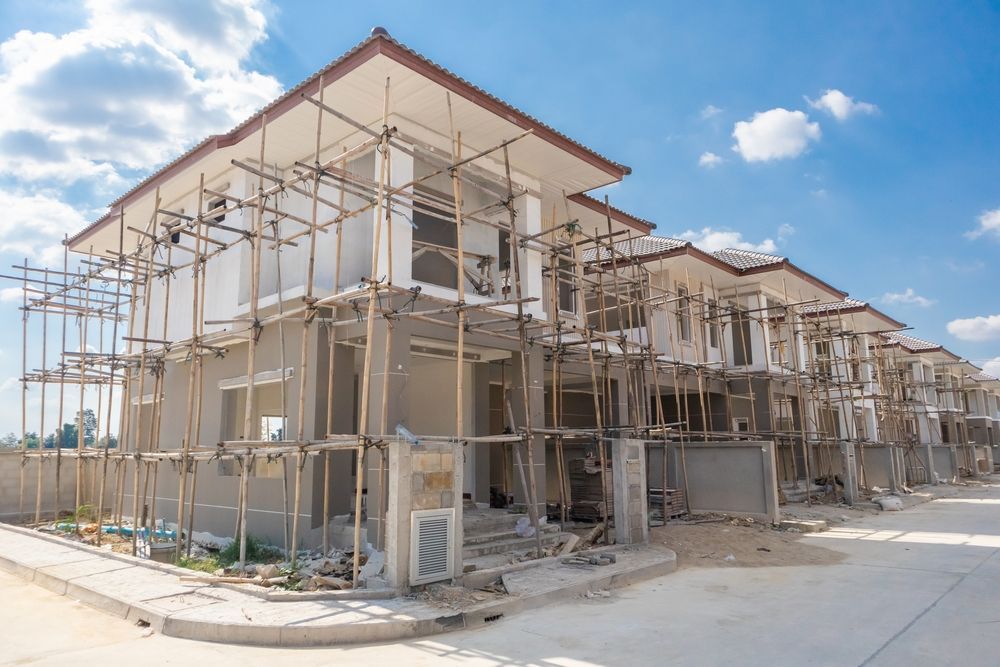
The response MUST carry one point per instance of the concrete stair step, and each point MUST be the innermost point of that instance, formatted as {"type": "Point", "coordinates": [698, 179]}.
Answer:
{"type": "Point", "coordinates": [483, 538]}
{"type": "Point", "coordinates": [503, 546]}
{"type": "Point", "coordinates": [480, 524]}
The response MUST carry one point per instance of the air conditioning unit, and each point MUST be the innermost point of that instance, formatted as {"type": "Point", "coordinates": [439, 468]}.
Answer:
{"type": "Point", "coordinates": [432, 535]}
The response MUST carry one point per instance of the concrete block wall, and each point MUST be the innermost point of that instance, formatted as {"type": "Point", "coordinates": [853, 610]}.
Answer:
{"type": "Point", "coordinates": [945, 460]}
{"type": "Point", "coordinates": [730, 477]}
{"type": "Point", "coordinates": [10, 481]}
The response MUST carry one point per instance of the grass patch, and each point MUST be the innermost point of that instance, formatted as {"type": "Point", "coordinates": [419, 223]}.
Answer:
{"type": "Point", "coordinates": [257, 552]}
{"type": "Point", "coordinates": [208, 564]}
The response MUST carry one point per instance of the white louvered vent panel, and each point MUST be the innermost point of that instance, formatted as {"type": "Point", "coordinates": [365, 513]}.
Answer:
{"type": "Point", "coordinates": [431, 537]}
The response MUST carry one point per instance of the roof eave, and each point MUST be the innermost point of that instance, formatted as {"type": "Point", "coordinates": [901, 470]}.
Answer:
{"type": "Point", "coordinates": [360, 54]}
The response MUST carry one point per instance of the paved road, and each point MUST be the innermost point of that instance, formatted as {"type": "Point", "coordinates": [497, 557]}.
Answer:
{"type": "Point", "coordinates": [917, 587]}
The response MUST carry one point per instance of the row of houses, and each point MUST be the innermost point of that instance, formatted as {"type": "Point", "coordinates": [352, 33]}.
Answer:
{"type": "Point", "coordinates": [390, 293]}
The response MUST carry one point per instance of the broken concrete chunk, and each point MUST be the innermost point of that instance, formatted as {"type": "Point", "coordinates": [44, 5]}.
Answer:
{"type": "Point", "coordinates": [890, 503]}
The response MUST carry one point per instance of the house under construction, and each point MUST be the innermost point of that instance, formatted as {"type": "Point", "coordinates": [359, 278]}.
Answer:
{"type": "Point", "coordinates": [385, 308]}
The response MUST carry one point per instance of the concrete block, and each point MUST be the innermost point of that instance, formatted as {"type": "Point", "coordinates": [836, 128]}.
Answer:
{"type": "Point", "coordinates": [804, 525]}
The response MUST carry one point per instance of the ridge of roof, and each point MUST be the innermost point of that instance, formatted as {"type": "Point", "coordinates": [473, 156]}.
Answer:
{"type": "Point", "coordinates": [378, 42]}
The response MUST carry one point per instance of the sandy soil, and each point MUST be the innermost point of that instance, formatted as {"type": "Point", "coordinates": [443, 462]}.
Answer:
{"type": "Point", "coordinates": [750, 544]}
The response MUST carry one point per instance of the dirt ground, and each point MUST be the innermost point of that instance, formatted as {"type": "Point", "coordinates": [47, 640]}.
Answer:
{"type": "Point", "coordinates": [732, 542]}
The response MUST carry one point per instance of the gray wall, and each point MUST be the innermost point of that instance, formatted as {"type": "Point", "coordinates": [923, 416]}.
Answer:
{"type": "Point", "coordinates": [10, 484]}
{"type": "Point", "coordinates": [730, 477]}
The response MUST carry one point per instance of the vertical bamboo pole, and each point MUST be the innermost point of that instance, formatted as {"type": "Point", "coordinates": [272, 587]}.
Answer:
{"type": "Point", "coordinates": [113, 366]}
{"type": "Point", "coordinates": [339, 230]}
{"type": "Point", "coordinates": [24, 391]}
{"type": "Point", "coordinates": [41, 427]}
{"type": "Point", "coordinates": [253, 333]}
{"type": "Point", "coordinates": [195, 363]}
{"type": "Point", "coordinates": [456, 188]}
{"type": "Point", "coordinates": [515, 251]}
{"type": "Point", "coordinates": [373, 287]}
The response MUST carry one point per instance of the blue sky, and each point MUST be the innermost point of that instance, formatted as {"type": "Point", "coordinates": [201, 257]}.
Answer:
{"type": "Point", "coordinates": [888, 187]}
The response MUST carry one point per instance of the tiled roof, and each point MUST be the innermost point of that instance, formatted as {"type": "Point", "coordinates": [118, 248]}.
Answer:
{"type": "Point", "coordinates": [300, 87]}
{"type": "Point", "coordinates": [637, 247]}
{"type": "Point", "coordinates": [983, 377]}
{"type": "Point", "coordinates": [746, 259]}
{"type": "Point", "coordinates": [833, 306]}
{"type": "Point", "coordinates": [910, 343]}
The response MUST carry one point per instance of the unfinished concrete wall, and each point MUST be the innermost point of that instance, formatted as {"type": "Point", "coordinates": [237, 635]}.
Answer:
{"type": "Point", "coordinates": [731, 477]}
{"type": "Point", "coordinates": [945, 462]}
{"type": "Point", "coordinates": [10, 484]}
{"type": "Point", "coordinates": [883, 466]}
{"type": "Point", "coordinates": [218, 481]}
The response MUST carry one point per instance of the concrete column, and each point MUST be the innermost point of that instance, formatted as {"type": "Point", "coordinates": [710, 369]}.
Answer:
{"type": "Point", "coordinates": [397, 407]}
{"type": "Point", "coordinates": [931, 472]}
{"type": "Point", "coordinates": [894, 481]}
{"type": "Point", "coordinates": [341, 491]}
{"type": "Point", "coordinates": [481, 452]}
{"type": "Point", "coordinates": [536, 405]}
{"type": "Point", "coordinates": [973, 463]}
{"type": "Point", "coordinates": [850, 466]}
{"type": "Point", "coordinates": [397, 534]}
{"type": "Point", "coordinates": [628, 473]}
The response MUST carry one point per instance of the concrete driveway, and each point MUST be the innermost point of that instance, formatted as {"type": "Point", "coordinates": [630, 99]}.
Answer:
{"type": "Point", "coordinates": [917, 587]}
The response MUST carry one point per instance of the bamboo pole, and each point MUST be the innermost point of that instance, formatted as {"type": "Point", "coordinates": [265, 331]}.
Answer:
{"type": "Point", "coordinates": [373, 287]}
{"type": "Point", "coordinates": [252, 336]}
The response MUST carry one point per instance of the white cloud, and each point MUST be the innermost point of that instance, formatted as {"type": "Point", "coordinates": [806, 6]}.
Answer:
{"type": "Point", "coordinates": [841, 106]}
{"type": "Point", "coordinates": [710, 111]}
{"type": "Point", "coordinates": [976, 329]}
{"type": "Point", "coordinates": [774, 135]}
{"type": "Point", "coordinates": [709, 160]}
{"type": "Point", "coordinates": [710, 240]}
{"type": "Point", "coordinates": [992, 367]}
{"type": "Point", "coordinates": [135, 86]}
{"type": "Point", "coordinates": [907, 297]}
{"type": "Point", "coordinates": [989, 223]}
{"type": "Point", "coordinates": [33, 225]}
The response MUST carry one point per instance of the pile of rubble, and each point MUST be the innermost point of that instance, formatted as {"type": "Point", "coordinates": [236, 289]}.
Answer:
{"type": "Point", "coordinates": [313, 571]}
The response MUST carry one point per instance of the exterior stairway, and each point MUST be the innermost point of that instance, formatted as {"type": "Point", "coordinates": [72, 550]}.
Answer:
{"type": "Point", "coordinates": [489, 532]}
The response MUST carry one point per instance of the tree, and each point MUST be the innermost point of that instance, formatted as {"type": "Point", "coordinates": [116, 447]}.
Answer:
{"type": "Point", "coordinates": [65, 437]}
{"type": "Point", "coordinates": [89, 426]}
